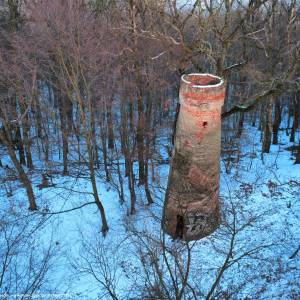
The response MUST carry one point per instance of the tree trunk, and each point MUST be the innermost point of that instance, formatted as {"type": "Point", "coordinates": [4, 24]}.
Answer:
{"type": "Point", "coordinates": [267, 137]}
{"type": "Point", "coordinates": [19, 145]}
{"type": "Point", "coordinates": [94, 139]}
{"type": "Point", "coordinates": [24, 179]}
{"type": "Point", "coordinates": [295, 117]}
{"type": "Point", "coordinates": [91, 158]}
{"type": "Point", "coordinates": [298, 155]}
{"type": "Point", "coordinates": [120, 177]}
{"type": "Point", "coordinates": [131, 188]}
{"type": "Point", "coordinates": [140, 141]}
{"type": "Point", "coordinates": [147, 150]}
{"type": "Point", "coordinates": [240, 125]}
{"type": "Point", "coordinates": [22, 175]}
{"type": "Point", "coordinates": [131, 115]}
{"type": "Point", "coordinates": [253, 123]}
{"type": "Point", "coordinates": [95, 190]}
{"type": "Point", "coordinates": [45, 140]}
{"type": "Point", "coordinates": [123, 136]}
{"type": "Point", "coordinates": [110, 127]}
{"type": "Point", "coordinates": [277, 120]}
{"type": "Point", "coordinates": [64, 131]}
{"type": "Point", "coordinates": [104, 151]}
{"type": "Point", "coordinates": [26, 134]}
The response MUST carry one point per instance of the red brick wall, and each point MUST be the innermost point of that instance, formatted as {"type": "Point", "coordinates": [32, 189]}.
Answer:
{"type": "Point", "coordinates": [191, 204]}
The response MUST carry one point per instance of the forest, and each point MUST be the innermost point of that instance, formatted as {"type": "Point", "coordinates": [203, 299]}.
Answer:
{"type": "Point", "coordinates": [109, 168]}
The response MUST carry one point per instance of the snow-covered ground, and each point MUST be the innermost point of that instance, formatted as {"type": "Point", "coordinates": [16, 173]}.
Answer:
{"type": "Point", "coordinates": [261, 210]}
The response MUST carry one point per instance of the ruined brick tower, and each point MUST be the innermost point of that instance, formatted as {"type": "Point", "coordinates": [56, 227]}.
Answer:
{"type": "Point", "coordinates": [192, 199]}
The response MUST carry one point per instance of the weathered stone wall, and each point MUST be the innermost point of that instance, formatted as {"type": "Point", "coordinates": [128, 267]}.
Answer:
{"type": "Point", "coordinates": [191, 204]}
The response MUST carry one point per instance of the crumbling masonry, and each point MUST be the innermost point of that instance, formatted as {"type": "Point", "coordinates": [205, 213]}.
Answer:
{"type": "Point", "coordinates": [192, 199]}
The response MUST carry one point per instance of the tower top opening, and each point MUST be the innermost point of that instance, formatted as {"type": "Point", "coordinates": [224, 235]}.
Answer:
{"type": "Point", "coordinates": [198, 80]}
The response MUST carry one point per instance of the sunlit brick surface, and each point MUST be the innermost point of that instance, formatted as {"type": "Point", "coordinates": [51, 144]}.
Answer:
{"type": "Point", "coordinates": [192, 199]}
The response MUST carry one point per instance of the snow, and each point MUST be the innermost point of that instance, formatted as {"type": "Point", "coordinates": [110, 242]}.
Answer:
{"type": "Point", "coordinates": [260, 199]}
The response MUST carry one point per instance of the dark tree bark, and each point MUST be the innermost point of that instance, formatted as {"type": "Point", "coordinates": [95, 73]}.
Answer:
{"type": "Point", "coordinates": [253, 123]}
{"type": "Point", "coordinates": [17, 140]}
{"type": "Point", "coordinates": [103, 137]}
{"type": "Point", "coordinates": [95, 190]}
{"type": "Point", "coordinates": [267, 136]}
{"type": "Point", "coordinates": [110, 126]}
{"type": "Point", "coordinates": [64, 130]}
{"type": "Point", "coordinates": [5, 136]}
{"type": "Point", "coordinates": [87, 123]}
{"type": "Point", "coordinates": [131, 185]}
{"type": "Point", "coordinates": [240, 125]}
{"type": "Point", "coordinates": [120, 185]}
{"type": "Point", "coordinates": [147, 150]}
{"type": "Point", "coordinates": [295, 118]}
{"type": "Point", "coordinates": [297, 161]}
{"type": "Point", "coordinates": [26, 134]}
{"type": "Point", "coordinates": [19, 145]}
{"type": "Point", "coordinates": [124, 137]}
{"type": "Point", "coordinates": [140, 141]}
{"type": "Point", "coordinates": [277, 120]}
{"type": "Point", "coordinates": [94, 139]}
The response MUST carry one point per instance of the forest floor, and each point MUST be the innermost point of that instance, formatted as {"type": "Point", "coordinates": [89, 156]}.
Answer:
{"type": "Point", "coordinates": [259, 197]}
